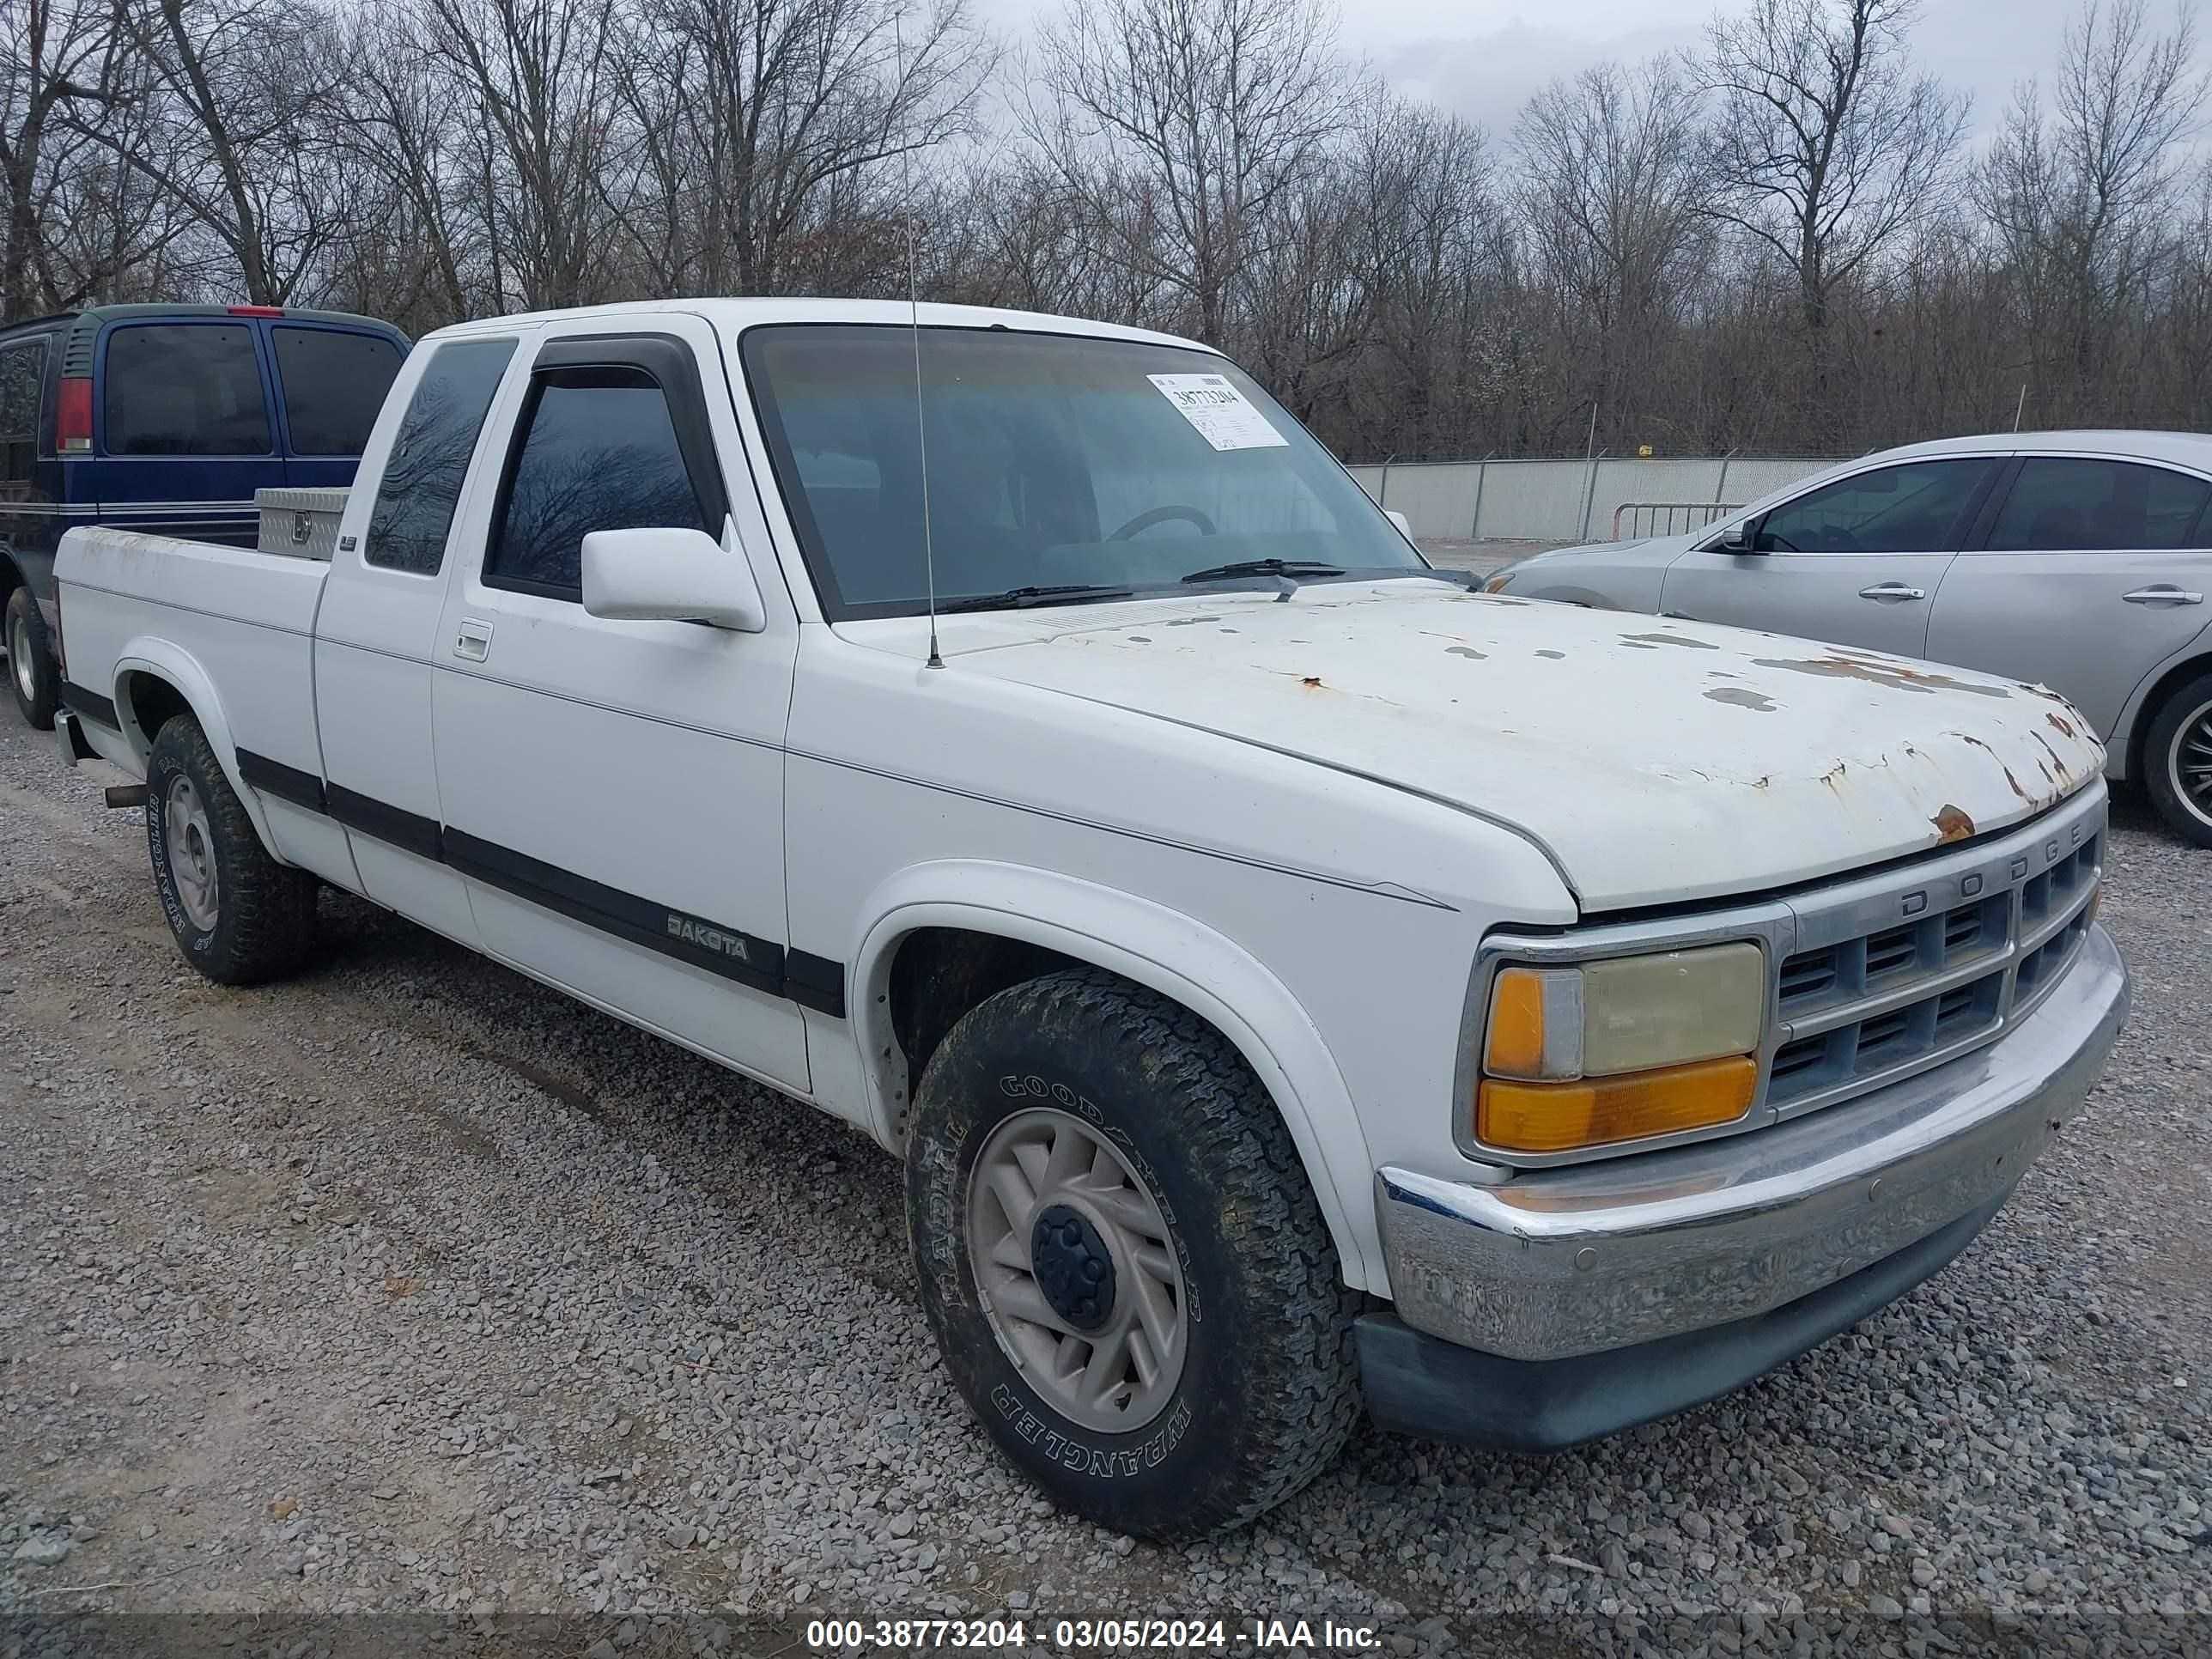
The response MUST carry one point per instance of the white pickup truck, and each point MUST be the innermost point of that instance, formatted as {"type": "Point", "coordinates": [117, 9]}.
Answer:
{"type": "Point", "coordinates": [1294, 981]}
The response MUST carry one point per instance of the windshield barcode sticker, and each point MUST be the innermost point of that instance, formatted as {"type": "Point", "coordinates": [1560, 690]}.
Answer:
{"type": "Point", "coordinates": [1224, 417]}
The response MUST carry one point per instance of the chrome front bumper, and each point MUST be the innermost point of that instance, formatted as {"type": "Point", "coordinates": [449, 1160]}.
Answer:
{"type": "Point", "coordinates": [1606, 1255]}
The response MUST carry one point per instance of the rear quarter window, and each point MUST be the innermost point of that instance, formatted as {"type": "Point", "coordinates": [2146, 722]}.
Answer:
{"type": "Point", "coordinates": [429, 458]}
{"type": "Point", "coordinates": [184, 389]}
{"type": "Point", "coordinates": [22, 373]}
{"type": "Point", "coordinates": [333, 384]}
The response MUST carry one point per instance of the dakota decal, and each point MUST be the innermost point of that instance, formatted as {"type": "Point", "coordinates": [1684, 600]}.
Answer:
{"type": "Point", "coordinates": [705, 938]}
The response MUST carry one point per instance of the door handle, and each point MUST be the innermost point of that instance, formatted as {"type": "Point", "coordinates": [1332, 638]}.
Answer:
{"type": "Point", "coordinates": [473, 641]}
{"type": "Point", "coordinates": [2163, 593]}
{"type": "Point", "coordinates": [1893, 592]}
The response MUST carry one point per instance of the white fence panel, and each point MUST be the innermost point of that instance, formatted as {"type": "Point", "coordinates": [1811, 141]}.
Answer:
{"type": "Point", "coordinates": [1438, 497]}
{"type": "Point", "coordinates": [1751, 477]}
{"type": "Point", "coordinates": [1636, 480]}
{"type": "Point", "coordinates": [1532, 501]}
{"type": "Point", "coordinates": [1566, 500]}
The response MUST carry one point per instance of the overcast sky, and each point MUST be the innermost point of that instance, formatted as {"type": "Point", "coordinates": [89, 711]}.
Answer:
{"type": "Point", "coordinates": [1483, 57]}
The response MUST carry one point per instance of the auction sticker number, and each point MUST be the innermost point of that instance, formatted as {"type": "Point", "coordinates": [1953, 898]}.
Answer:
{"type": "Point", "coordinates": [904, 1635]}
{"type": "Point", "coordinates": [1224, 417]}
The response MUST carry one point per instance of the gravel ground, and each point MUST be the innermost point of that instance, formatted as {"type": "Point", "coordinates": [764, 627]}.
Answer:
{"type": "Point", "coordinates": [412, 1287]}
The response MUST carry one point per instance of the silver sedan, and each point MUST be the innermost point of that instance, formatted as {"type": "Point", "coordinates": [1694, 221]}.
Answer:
{"type": "Point", "coordinates": [2074, 560]}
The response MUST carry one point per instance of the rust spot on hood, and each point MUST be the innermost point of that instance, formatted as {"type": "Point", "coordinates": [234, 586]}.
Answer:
{"type": "Point", "coordinates": [1741, 697]}
{"type": "Point", "coordinates": [1952, 824]}
{"type": "Point", "coordinates": [1312, 682]}
{"type": "Point", "coordinates": [1898, 676]}
{"type": "Point", "coordinates": [1467, 651]}
{"type": "Point", "coordinates": [1671, 639]}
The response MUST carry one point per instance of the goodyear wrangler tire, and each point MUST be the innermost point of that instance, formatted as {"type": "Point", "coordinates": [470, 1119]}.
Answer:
{"type": "Point", "coordinates": [1123, 1264]}
{"type": "Point", "coordinates": [239, 917]}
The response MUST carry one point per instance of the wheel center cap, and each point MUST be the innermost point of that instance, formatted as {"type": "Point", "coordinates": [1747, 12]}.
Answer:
{"type": "Point", "coordinates": [1073, 1267]}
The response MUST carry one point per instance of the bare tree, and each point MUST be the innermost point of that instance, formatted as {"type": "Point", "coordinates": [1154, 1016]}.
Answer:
{"type": "Point", "coordinates": [1826, 147]}
{"type": "Point", "coordinates": [751, 123]}
{"type": "Point", "coordinates": [537, 78]}
{"type": "Point", "coordinates": [2080, 189]}
{"type": "Point", "coordinates": [60, 64]}
{"type": "Point", "coordinates": [407, 127]}
{"type": "Point", "coordinates": [1185, 123]}
{"type": "Point", "coordinates": [1611, 198]}
{"type": "Point", "coordinates": [242, 94]}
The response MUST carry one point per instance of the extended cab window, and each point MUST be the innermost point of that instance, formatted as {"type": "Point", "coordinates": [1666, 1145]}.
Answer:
{"type": "Point", "coordinates": [334, 383]}
{"type": "Point", "coordinates": [1913, 508]}
{"type": "Point", "coordinates": [429, 457]}
{"type": "Point", "coordinates": [184, 389]}
{"type": "Point", "coordinates": [23, 372]}
{"type": "Point", "coordinates": [600, 453]}
{"type": "Point", "coordinates": [2058, 504]}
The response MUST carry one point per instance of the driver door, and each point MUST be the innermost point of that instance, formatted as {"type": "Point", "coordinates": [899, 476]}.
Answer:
{"type": "Point", "coordinates": [1854, 561]}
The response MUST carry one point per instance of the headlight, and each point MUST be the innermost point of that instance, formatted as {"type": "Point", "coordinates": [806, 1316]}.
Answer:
{"type": "Point", "coordinates": [1495, 583]}
{"type": "Point", "coordinates": [1620, 1049]}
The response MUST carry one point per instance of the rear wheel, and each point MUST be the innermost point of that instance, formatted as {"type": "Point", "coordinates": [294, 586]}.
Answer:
{"type": "Point", "coordinates": [1122, 1259]}
{"type": "Point", "coordinates": [239, 916]}
{"type": "Point", "coordinates": [32, 677]}
{"type": "Point", "coordinates": [2178, 761]}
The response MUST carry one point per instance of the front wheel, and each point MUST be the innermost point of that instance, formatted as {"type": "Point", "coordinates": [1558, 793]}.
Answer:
{"type": "Point", "coordinates": [239, 917]}
{"type": "Point", "coordinates": [32, 677]}
{"type": "Point", "coordinates": [2178, 761]}
{"type": "Point", "coordinates": [1122, 1259]}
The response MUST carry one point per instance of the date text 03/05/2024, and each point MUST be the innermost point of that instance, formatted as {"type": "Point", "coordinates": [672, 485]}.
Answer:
{"type": "Point", "coordinates": [1117, 1635]}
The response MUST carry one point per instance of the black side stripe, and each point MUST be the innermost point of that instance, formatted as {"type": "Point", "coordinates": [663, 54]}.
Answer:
{"type": "Point", "coordinates": [811, 982]}
{"type": "Point", "coordinates": [409, 831]}
{"type": "Point", "coordinates": [90, 704]}
{"type": "Point", "coordinates": [742, 956]}
{"type": "Point", "coordinates": [273, 777]}
{"type": "Point", "coordinates": [815, 983]}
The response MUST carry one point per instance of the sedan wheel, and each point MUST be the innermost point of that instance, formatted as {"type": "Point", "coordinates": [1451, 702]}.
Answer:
{"type": "Point", "coordinates": [2178, 762]}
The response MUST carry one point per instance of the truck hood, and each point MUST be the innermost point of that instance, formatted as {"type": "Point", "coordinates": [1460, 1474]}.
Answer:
{"type": "Point", "coordinates": [1656, 760]}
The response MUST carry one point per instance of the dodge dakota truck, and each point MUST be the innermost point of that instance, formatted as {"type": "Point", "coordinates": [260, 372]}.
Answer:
{"type": "Point", "coordinates": [1295, 984]}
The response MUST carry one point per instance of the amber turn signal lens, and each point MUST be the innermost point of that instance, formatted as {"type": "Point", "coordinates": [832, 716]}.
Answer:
{"type": "Point", "coordinates": [1559, 1117]}
{"type": "Point", "coordinates": [1516, 1024]}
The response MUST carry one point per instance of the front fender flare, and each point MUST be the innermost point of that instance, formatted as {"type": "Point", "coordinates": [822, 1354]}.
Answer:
{"type": "Point", "coordinates": [165, 660]}
{"type": "Point", "coordinates": [1151, 945]}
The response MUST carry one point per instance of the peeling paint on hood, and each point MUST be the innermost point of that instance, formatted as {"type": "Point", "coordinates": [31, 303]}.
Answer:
{"type": "Point", "coordinates": [1608, 749]}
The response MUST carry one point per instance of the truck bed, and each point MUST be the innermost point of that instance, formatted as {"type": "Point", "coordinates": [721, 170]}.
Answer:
{"type": "Point", "coordinates": [132, 601]}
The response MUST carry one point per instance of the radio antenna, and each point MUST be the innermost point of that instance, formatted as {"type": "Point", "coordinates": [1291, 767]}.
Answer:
{"type": "Point", "coordinates": [914, 329]}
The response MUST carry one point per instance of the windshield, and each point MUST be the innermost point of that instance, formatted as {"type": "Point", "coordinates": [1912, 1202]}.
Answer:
{"type": "Point", "coordinates": [1055, 462]}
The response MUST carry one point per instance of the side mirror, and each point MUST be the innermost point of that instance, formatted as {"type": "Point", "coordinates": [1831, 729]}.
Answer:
{"type": "Point", "coordinates": [670, 575]}
{"type": "Point", "coordinates": [1405, 525]}
{"type": "Point", "coordinates": [1737, 538]}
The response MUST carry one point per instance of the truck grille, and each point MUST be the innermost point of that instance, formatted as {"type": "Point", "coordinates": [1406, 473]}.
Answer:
{"type": "Point", "coordinates": [1867, 998]}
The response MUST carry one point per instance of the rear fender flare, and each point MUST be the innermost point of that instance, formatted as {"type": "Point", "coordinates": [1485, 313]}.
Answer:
{"type": "Point", "coordinates": [165, 660]}
{"type": "Point", "coordinates": [1150, 946]}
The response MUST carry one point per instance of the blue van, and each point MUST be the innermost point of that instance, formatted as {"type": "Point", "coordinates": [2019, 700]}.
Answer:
{"type": "Point", "coordinates": [165, 418]}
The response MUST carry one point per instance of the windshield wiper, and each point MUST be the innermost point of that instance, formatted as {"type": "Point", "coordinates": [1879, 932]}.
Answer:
{"type": "Point", "coordinates": [1016, 599]}
{"type": "Point", "coordinates": [1265, 568]}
